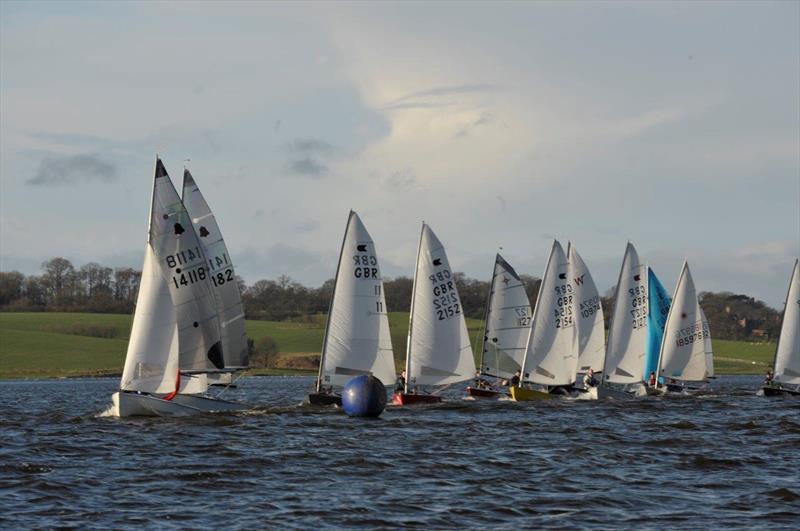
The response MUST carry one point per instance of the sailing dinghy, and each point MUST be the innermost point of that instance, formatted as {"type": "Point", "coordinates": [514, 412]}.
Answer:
{"type": "Point", "coordinates": [551, 356]}
{"type": "Point", "coordinates": [357, 339]}
{"type": "Point", "coordinates": [505, 333]}
{"type": "Point", "coordinates": [786, 365]}
{"type": "Point", "coordinates": [175, 325]}
{"type": "Point", "coordinates": [658, 303]}
{"type": "Point", "coordinates": [686, 354]}
{"type": "Point", "coordinates": [438, 352]}
{"type": "Point", "coordinates": [590, 327]}
{"type": "Point", "coordinates": [624, 367]}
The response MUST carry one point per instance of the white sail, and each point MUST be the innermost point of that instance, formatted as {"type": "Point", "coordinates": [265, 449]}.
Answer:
{"type": "Point", "coordinates": [589, 315]}
{"type": "Point", "coordinates": [439, 351]}
{"type": "Point", "coordinates": [357, 339]}
{"type": "Point", "coordinates": [683, 350]}
{"type": "Point", "coordinates": [787, 354]}
{"type": "Point", "coordinates": [183, 266]}
{"type": "Point", "coordinates": [627, 334]}
{"type": "Point", "coordinates": [151, 363]}
{"type": "Point", "coordinates": [221, 274]}
{"type": "Point", "coordinates": [508, 321]}
{"type": "Point", "coordinates": [551, 355]}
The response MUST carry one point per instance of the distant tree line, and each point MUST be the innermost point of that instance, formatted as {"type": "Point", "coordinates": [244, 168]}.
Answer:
{"type": "Point", "coordinates": [63, 288]}
{"type": "Point", "coordinates": [95, 288]}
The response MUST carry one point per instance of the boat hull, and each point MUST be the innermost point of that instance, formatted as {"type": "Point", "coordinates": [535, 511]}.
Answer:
{"type": "Point", "coordinates": [521, 394]}
{"type": "Point", "coordinates": [405, 399]}
{"type": "Point", "coordinates": [324, 399]}
{"type": "Point", "coordinates": [484, 393]}
{"type": "Point", "coordinates": [646, 390]}
{"type": "Point", "coordinates": [130, 404]}
{"type": "Point", "coordinates": [604, 393]}
{"type": "Point", "coordinates": [207, 404]}
{"type": "Point", "coordinates": [770, 390]}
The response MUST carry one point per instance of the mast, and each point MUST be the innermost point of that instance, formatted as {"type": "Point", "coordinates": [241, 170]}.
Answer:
{"type": "Point", "coordinates": [411, 314]}
{"type": "Point", "coordinates": [486, 314]}
{"type": "Point", "coordinates": [330, 305]}
{"type": "Point", "coordinates": [614, 313]}
{"type": "Point", "coordinates": [669, 316]}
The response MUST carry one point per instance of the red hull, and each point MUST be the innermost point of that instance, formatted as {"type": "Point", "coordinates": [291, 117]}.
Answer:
{"type": "Point", "coordinates": [483, 393]}
{"type": "Point", "coordinates": [403, 399]}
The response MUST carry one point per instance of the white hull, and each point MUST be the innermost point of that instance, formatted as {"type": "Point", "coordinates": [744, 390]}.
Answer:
{"type": "Point", "coordinates": [126, 404]}
{"type": "Point", "coordinates": [209, 405]}
{"type": "Point", "coordinates": [604, 393]}
{"type": "Point", "coordinates": [645, 390]}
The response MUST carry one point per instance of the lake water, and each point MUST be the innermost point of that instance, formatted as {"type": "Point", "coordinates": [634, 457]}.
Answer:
{"type": "Point", "coordinates": [729, 459]}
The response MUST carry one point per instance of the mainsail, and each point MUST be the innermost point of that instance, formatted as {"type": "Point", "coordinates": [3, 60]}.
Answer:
{"type": "Point", "coordinates": [658, 303]}
{"type": "Point", "coordinates": [174, 325]}
{"type": "Point", "coordinates": [787, 353]}
{"type": "Point", "coordinates": [221, 274]}
{"type": "Point", "coordinates": [683, 350]}
{"type": "Point", "coordinates": [551, 354]}
{"type": "Point", "coordinates": [627, 334]}
{"type": "Point", "coordinates": [183, 267]}
{"type": "Point", "coordinates": [508, 320]}
{"type": "Point", "coordinates": [438, 351]}
{"type": "Point", "coordinates": [589, 315]}
{"type": "Point", "coordinates": [357, 339]}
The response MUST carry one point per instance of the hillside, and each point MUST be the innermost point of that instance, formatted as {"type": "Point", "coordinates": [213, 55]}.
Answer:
{"type": "Point", "coordinates": [43, 344]}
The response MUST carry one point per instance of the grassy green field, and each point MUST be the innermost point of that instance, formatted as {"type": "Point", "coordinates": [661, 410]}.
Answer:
{"type": "Point", "coordinates": [40, 345]}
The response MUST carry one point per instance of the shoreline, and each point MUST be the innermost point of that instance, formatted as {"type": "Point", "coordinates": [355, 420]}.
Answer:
{"type": "Point", "coordinates": [260, 373]}
{"type": "Point", "coordinates": [118, 374]}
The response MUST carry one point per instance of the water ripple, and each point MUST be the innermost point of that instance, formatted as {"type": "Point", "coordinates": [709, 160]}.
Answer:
{"type": "Point", "coordinates": [726, 459]}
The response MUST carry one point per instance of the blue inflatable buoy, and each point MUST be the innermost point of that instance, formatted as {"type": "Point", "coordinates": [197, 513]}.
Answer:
{"type": "Point", "coordinates": [364, 396]}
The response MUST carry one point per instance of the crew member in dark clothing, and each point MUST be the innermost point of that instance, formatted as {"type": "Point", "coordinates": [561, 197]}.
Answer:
{"type": "Point", "coordinates": [400, 383]}
{"type": "Point", "coordinates": [515, 380]}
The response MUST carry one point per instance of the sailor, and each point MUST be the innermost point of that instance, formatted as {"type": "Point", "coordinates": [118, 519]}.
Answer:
{"type": "Point", "coordinates": [768, 379]}
{"type": "Point", "coordinates": [514, 379]}
{"type": "Point", "coordinates": [652, 380]}
{"type": "Point", "coordinates": [480, 382]}
{"type": "Point", "coordinates": [400, 383]}
{"type": "Point", "coordinates": [589, 380]}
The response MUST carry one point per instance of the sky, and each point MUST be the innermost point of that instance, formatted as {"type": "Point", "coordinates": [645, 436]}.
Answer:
{"type": "Point", "coordinates": [673, 125]}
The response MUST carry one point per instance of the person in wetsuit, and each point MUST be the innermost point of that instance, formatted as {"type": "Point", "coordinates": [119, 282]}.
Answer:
{"type": "Point", "coordinates": [589, 380]}
{"type": "Point", "coordinates": [400, 383]}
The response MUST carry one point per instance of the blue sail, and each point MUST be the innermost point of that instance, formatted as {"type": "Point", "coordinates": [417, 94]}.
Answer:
{"type": "Point", "coordinates": [658, 307]}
